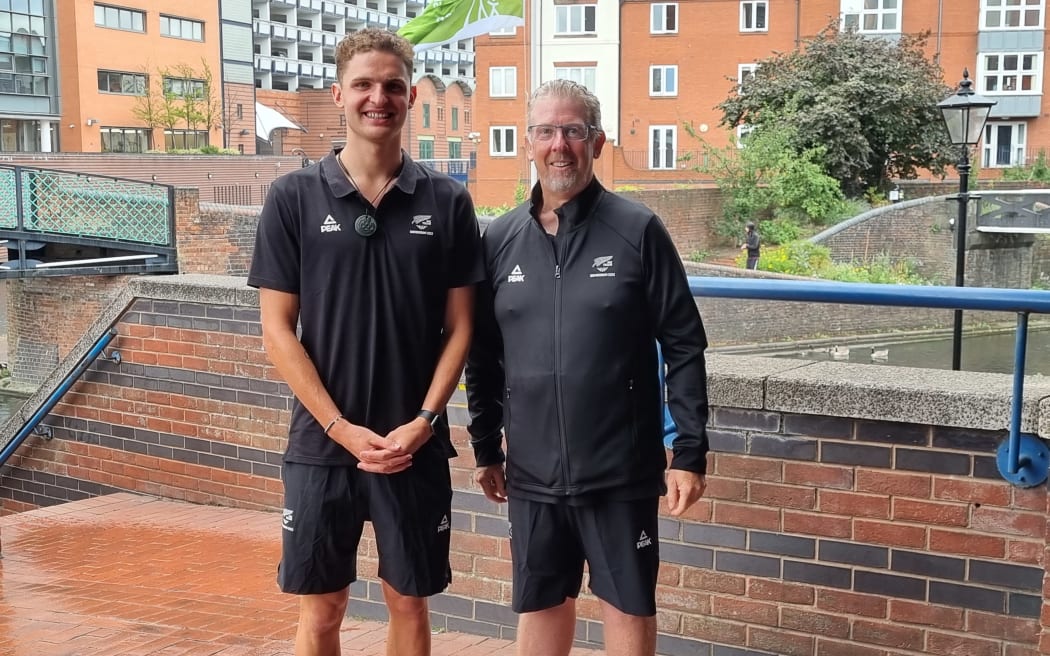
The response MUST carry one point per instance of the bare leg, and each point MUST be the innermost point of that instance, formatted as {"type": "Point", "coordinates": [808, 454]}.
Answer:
{"type": "Point", "coordinates": [408, 633]}
{"type": "Point", "coordinates": [547, 632]}
{"type": "Point", "coordinates": [320, 617]}
{"type": "Point", "coordinates": [628, 635]}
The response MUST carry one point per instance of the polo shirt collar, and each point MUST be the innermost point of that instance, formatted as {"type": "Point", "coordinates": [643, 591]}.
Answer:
{"type": "Point", "coordinates": [340, 185]}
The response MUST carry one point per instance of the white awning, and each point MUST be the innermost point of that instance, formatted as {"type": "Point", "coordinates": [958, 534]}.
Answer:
{"type": "Point", "coordinates": [268, 119]}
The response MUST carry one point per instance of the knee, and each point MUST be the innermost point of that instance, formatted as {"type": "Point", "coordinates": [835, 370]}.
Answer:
{"type": "Point", "coordinates": [320, 615]}
{"type": "Point", "coordinates": [405, 606]}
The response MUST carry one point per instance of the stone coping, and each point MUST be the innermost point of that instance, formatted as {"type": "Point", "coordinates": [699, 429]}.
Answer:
{"type": "Point", "coordinates": [879, 392]}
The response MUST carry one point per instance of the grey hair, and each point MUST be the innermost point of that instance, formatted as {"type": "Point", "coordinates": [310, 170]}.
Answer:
{"type": "Point", "coordinates": [571, 91]}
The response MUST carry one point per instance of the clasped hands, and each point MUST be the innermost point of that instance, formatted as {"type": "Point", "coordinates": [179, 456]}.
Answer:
{"type": "Point", "coordinates": [378, 454]}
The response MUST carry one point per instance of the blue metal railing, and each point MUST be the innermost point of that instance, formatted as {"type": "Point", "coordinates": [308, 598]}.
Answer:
{"type": "Point", "coordinates": [52, 400]}
{"type": "Point", "coordinates": [1022, 459]}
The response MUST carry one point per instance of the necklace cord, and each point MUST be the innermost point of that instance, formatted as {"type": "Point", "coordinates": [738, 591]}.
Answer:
{"type": "Point", "coordinates": [371, 203]}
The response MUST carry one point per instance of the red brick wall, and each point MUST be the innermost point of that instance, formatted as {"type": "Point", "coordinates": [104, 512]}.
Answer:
{"type": "Point", "coordinates": [818, 534]}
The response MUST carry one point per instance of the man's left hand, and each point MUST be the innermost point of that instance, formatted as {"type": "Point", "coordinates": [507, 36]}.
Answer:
{"type": "Point", "coordinates": [684, 488]}
{"type": "Point", "coordinates": [411, 436]}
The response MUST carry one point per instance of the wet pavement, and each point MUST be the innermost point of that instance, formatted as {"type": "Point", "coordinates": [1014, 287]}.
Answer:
{"type": "Point", "coordinates": [134, 575]}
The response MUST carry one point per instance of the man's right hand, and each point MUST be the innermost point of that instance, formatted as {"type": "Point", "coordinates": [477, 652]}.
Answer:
{"type": "Point", "coordinates": [374, 453]}
{"type": "Point", "coordinates": [493, 482]}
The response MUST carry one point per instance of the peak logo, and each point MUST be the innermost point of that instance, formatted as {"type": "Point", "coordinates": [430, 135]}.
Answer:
{"type": "Point", "coordinates": [331, 225]}
{"type": "Point", "coordinates": [516, 274]}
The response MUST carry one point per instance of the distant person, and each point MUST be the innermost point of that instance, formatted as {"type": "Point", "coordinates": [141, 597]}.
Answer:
{"type": "Point", "coordinates": [582, 283]}
{"type": "Point", "coordinates": [373, 258]}
{"type": "Point", "coordinates": [751, 245]}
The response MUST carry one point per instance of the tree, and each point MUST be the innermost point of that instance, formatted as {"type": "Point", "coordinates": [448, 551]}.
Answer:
{"type": "Point", "coordinates": [870, 103]}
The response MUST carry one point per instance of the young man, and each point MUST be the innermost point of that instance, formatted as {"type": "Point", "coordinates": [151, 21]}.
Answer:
{"type": "Point", "coordinates": [581, 285]}
{"type": "Point", "coordinates": [375, 257]}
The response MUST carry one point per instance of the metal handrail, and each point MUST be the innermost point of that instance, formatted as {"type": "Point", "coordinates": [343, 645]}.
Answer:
{"type": "Point", "coordinates": [52, 400]}
{"type": "Point", "coordinates": [1023, 459]}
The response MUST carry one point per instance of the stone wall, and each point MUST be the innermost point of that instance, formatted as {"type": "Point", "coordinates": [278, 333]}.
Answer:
{"type": "Point", "coordinates": [851, 510]}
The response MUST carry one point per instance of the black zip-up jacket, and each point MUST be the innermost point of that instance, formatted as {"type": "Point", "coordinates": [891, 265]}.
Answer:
{"type": "Point", "coordinates": [564, 356]}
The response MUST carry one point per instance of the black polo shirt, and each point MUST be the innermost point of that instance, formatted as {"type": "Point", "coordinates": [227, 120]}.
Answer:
{"type": "Point", "coordinates": [371, 308]}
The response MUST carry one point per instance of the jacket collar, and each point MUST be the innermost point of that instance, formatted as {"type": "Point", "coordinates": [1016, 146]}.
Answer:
{"type": "Point", "coordinates": [340, 185]}
{"type": "Point", "coordinates": [575, 212]}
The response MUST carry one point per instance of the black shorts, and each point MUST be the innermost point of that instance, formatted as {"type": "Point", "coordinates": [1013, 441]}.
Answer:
{"type": "Point", "coordinates": [549, 543]}
{"type": "Point", "coordinates": [325, 509]}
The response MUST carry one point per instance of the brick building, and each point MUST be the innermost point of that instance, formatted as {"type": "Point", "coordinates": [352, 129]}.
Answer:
{"type": "Point", "coordinates": [658, 65]}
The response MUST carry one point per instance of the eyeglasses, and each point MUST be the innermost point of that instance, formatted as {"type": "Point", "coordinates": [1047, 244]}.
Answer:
{"type": "Point", "coordinates": [571, 132]}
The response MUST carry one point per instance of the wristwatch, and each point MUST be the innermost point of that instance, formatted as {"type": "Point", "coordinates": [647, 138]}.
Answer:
{"type": "Point", "coordinates": [430, 416]}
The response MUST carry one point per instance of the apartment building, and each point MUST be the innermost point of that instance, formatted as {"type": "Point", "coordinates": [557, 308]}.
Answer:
{"type": "Point", "coordinates": [29, 95]}
{"type": "Point", "coordinates": [294, 45]}
{"type": "Point", "coordinates": [656, 66]}
{"type": "Point", "coordinates": [137, 76]}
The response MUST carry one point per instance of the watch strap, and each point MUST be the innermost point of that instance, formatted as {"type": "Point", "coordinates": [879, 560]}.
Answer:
{"type": "Point", "coordinates": [429, 415]}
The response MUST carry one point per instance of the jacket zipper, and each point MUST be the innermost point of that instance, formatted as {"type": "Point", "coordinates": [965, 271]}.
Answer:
{"type": "Point", "coordinates": [558, 249]}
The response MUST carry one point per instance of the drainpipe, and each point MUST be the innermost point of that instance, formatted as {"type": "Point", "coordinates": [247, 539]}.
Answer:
{"type": "Point", "coordinates": [940, 31]}
{"type": "Point", "coordinates": [798, 23]}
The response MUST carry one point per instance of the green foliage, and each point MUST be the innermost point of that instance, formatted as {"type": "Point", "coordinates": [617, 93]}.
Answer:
{"type": "Point", "coordinates": [521, 192]}
{"type": "Point", "coordinates": [203, 150]}
{"type": "Point", "coordinates": [698, 255]}
{"type": "Point", "coordinates": [768, 179]}
{"type": "Point", "coordinates": [779, 231]}
{"type": "Point", "coordinates": [803, 258]}
{"type": "Point", "coordinates": [488, 210]}
{"type": "Point", "coordinates": [1037, 171]}
{"type": "Point", "coordinates": [869, 103]}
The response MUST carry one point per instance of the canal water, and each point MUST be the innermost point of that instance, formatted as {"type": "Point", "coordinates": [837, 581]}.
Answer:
{"type": "Point", "coordinates": [991, 352]}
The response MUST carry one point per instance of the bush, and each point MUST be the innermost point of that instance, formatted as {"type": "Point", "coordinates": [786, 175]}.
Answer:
{"type": "Point", "coordinates": [803, 258]}
{"type": "Point", "coordinates": [779, 231]}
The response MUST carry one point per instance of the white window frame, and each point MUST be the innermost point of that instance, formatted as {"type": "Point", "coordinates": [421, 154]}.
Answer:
{"type": "Point", "coordinates": [1004, 12]}
{"type": "Point", "coordinates": [744, 71]}
{"type": "Point", "coordinates": [119, 18]}
{"type": "Point", "coordinates": [662, 72]}
{"type": "Point", "coordinates": [181, 28]}
{"type": "Point", "coordinates": [503, 81]}
{"type": "Point", "coordinates": [585, 75]}
{"type": "Point", "coordinates": [497, 140]}
{"type": "Point", "coordinates": [742, 131]}
{"type": "Point", "coordinates": [1003, 76]}
{"type": "Point", "coordinates": [860, 14]}
{"type": "Point", "coordinates": [658, 18]}
{"type": "Point", "coordinates": [505, 31]}
{"type": "Point", "coordinates": [749, 14]}
{"type": "Point", "coordinates": [571, 20]}
{"type": "Point", "coordinates": [658, 157]}
{"type": "Point", "coordinates": [990, 143]}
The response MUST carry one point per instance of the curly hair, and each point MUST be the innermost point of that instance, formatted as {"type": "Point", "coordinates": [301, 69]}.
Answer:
{"type": "Point", "coordinates": [369, 39]}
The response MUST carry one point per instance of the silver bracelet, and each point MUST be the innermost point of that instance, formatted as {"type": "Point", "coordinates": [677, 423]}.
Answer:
{"type": "Point", "coordinates": [332, 423]}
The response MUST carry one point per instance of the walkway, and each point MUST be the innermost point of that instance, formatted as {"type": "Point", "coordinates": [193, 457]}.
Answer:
{"type": "Point", "coordinates": [138, 576]}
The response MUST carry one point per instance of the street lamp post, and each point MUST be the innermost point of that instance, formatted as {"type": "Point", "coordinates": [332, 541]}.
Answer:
{"type": "Point", "coordinates": [965, 114]}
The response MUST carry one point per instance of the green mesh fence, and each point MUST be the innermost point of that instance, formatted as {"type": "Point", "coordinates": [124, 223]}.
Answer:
{"type": "Point", "coordinates": [75, 204]}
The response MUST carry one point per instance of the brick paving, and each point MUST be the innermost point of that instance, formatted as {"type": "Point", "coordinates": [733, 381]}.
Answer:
{"type": "Point", "coordinates": [137, 576]}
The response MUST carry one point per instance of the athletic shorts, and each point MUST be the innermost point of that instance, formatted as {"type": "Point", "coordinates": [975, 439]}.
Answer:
{"type": "Point", "coordinates": [325, 509]}
{"type": "Point", "coordinates": [549, 543]}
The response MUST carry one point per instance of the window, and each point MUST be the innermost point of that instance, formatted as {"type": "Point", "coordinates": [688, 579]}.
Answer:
{"type": "Point", "coordinates": [871, 15]}
{"type": "Point", "coordinates": [505, 31]}
{"type": "Point", "coordinates": [584, 75]}
{"type": "Point", "coordinates": [185, 139]}
{"type": "Point", "coordinates": [455, 149]}
{"type": "Point", "coordinates": [125, 140]}
{"type": "Point", "coordinates": [753, 16]}
{"type": "Point", "coordinates": [744, 73]}
{"type": "Point", "coordinates": [664, 18]}
{"type": "Point", "coordinates": [663, 80]}
{"type": "Point", "coordinates": [120, 19]}
{"type": "Point", "coordinates": [503, 141]}
{"type": "Point", "coordinates": [130, 84]}
{"type": "Point", "coordinates": [426, 148]}
{"type": "Point", "coordinates": [426, 117]}
{"type": "Point", "coordinates": [240, 111]}
{"type": "Point", "coordinates": [182, 87]}
{"type": "Point", "coordinates": [662, 142]}
{"type": "Point", "coordinates": [1004, 144]}
{"type": "Point", "coordinates": [503, 82]}
{"type": "Point", "coordinates": [575, 19]}
{"type": "Point", "coordinates": [742, 131]}
{"type": "Point", "coordinates": [181, 28]}
{"type": "Point", "coordinates": [1012, 14]}
{"type": "Point", "coordinates": [455, 118]}
{"type": "Point", "coordinates": [1010, 72]}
